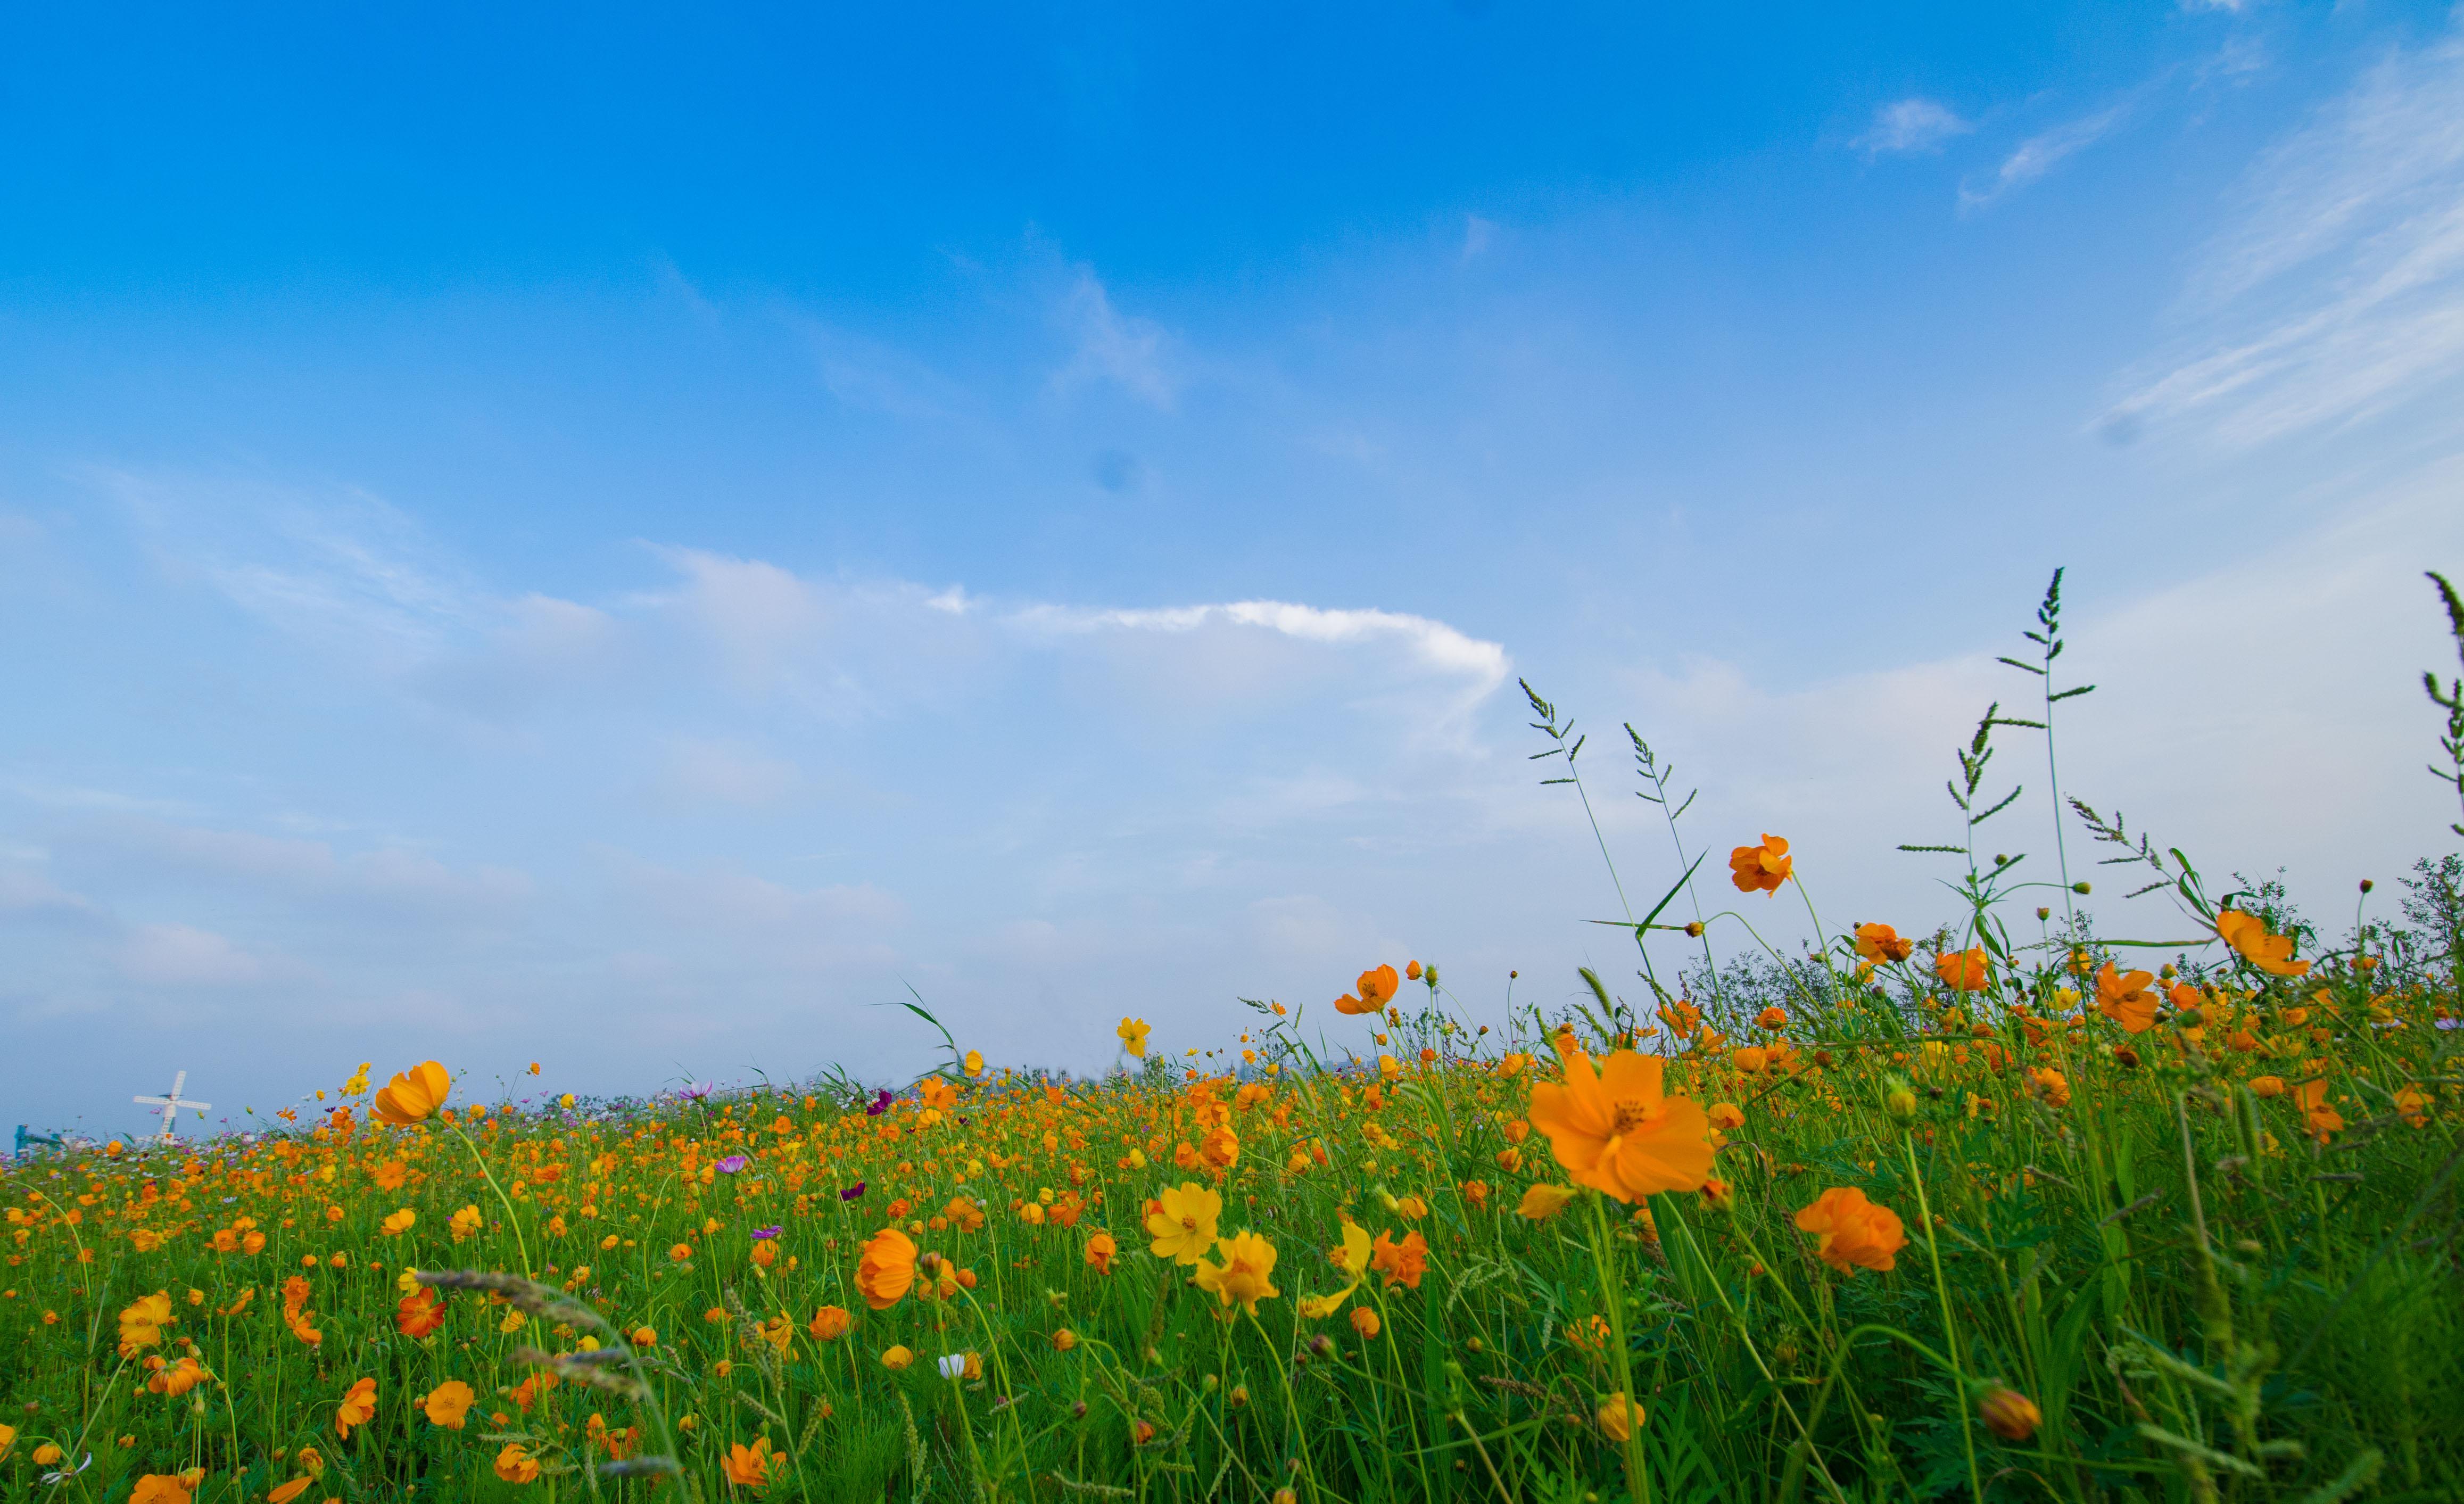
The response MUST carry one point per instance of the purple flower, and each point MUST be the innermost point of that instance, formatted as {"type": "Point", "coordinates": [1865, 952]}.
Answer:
{"type": "Point", "coordinates": [732, 1164]}
{"type": "Point", "coordinates": [852, 1191]}
{"type": "Point", "coordinates": [878, 1105]}
{"type": "Point", "coordinates": [764, 1234]}
{"type": "Point", "coordinates": [697, 1089]}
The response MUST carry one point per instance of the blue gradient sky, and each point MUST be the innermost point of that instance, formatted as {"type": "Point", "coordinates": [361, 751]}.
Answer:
{"type": "Point", "coordinates": [626, 542]}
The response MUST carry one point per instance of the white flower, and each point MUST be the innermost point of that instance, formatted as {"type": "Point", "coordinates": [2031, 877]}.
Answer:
{"type": "Point", "coordinates": [953, 1365]}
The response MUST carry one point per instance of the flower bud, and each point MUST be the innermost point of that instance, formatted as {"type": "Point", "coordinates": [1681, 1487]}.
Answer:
{"type": "Point", "coordinates": [2008, 1413]}
{"type": "Point", "coordinates": [1619, 1417]}
{"type": "Point", "coordinates": [1902, 1103]}
{"type": "Point", "coordinates": [2043, 913]}
{"type": "Point", "coordinates": [1694, 929]}
{"type": "Point", "coordinates": [2079, 887]}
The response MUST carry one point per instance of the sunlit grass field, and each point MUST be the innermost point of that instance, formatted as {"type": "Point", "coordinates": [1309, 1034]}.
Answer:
{"type": "Point", "coordinates": [1991, 1205]}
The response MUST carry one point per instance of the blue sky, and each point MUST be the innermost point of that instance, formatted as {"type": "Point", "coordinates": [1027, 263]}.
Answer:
{"type": "Point", "coordinates": [627, 542]}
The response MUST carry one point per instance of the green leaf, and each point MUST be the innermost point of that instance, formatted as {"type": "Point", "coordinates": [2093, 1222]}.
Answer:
{"type": "Point", "coordinates": [1672, 892]}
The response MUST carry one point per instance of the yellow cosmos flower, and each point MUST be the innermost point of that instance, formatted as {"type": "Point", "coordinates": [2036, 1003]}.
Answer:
{"type": "Point", "coordinates": [1248, 1260]}
{"type": "Point", "coordinates": [1182, 1222]}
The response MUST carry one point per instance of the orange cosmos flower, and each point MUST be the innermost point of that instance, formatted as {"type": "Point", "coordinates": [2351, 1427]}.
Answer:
{"type": "Point", "coordinates": [830, 1323]}
{"type": "Point", "coordinates": [161, 1488]}
{"type": "Point", "coordinates": [1774, 1017]}
{"type": "Point", "coordinates": [1881, 942]}
{"type": "Point", "coordinates": [1763, 867]}
{"type": "Point", "coordinates": [414, 1093]}
{"type": "Point", "coordinates": [515, 1465]}
{"type": "Point", "coordinates": [1963, 970]}
{"type": "Point", "coordinates": [1541, 1202]}
{"type": "Point", "coordinates": [887, 1270]}
{"type": "Point", "coordinates": [447, 1403]}
{"type": "Point", "coordinates": [1100, 1250]}
{"type": "Point", "coordinates": [2247, 934]}
{"type": "Point", "coordinates": [1855, 1233]}
{"type": "Point", "coordinates": [1617, 1132]}
{"type": "Point", "coordinates": [419, 1313]}
{"type": "Point", "coordinates": [1727, 1114]}
{"type": "Point", "coordinates": [2412, 1105]}
{"type": "Point", "coordinates": [142, 1323]}
{"type": "Point", "coordinates": [749, 1467]}
{"type": "Point", "coordinates": [2322, 1121]}
{"type": "Point", "coordinates": [2123, 997]}
{"type": "Point", "coordinates": [178, 1378]}
{"type": "Point", "coordinates": [1413, 971]}
{"type": "Point", "coordinates": [1377, 987]}
{"type": "Point", "coordinates": [359, 1406]}
{"type": "Point", "coordinates": [1402, 1263]}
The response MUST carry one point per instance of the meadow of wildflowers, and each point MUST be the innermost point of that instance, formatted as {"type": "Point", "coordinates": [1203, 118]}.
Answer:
{"type": "Point", "coordinates": [2004, 1207]}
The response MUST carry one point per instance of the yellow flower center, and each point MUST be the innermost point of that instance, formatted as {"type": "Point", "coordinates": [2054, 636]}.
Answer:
{"type": "Point", "coordinates": [1631, 1115]}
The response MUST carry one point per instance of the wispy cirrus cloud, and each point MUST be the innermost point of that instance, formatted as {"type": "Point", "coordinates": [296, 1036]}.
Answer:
{"type": "Point", "coordinates": [2338, 291]}
{"type": "Point", "coordinates": [1911, 125]}
{"type": "Point", "coordinates": [1111, 347]}
{"type": "Point", "coordinates": [2039, 154]}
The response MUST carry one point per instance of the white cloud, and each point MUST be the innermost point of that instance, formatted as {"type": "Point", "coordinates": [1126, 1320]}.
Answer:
{"type": "Point", "coordinates": [740, 907]}
{"type": "Point", "coordinates": [181, 956]}
{"type": "Point", "coordinates": [2339, 290]}
{"type": "Point", "coordinates": [872, 377]}
{"type": "Point", "coordinates": [1911, 125]}
{"type": "Point", "coordinates": [2042, 152]}
{"type": "Point", "coordinates": [25, 891]}
{"type": "Point", "coordinates": [702, 771]}
{"type": "Point", "coordinates": [762, 617]}
{"type": "Point", "coordinates": [1433, 645]}
{"type": "Point", "coordinates": [296, 871]}
{"type": "Point", "coordinates": [1478, 236]}
{"type": "Point", "coordinates": [1114, 346]}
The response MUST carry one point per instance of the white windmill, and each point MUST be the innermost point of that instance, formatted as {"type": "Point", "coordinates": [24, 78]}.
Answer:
{"type": "Point", "coordinates": [172, 1104]}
